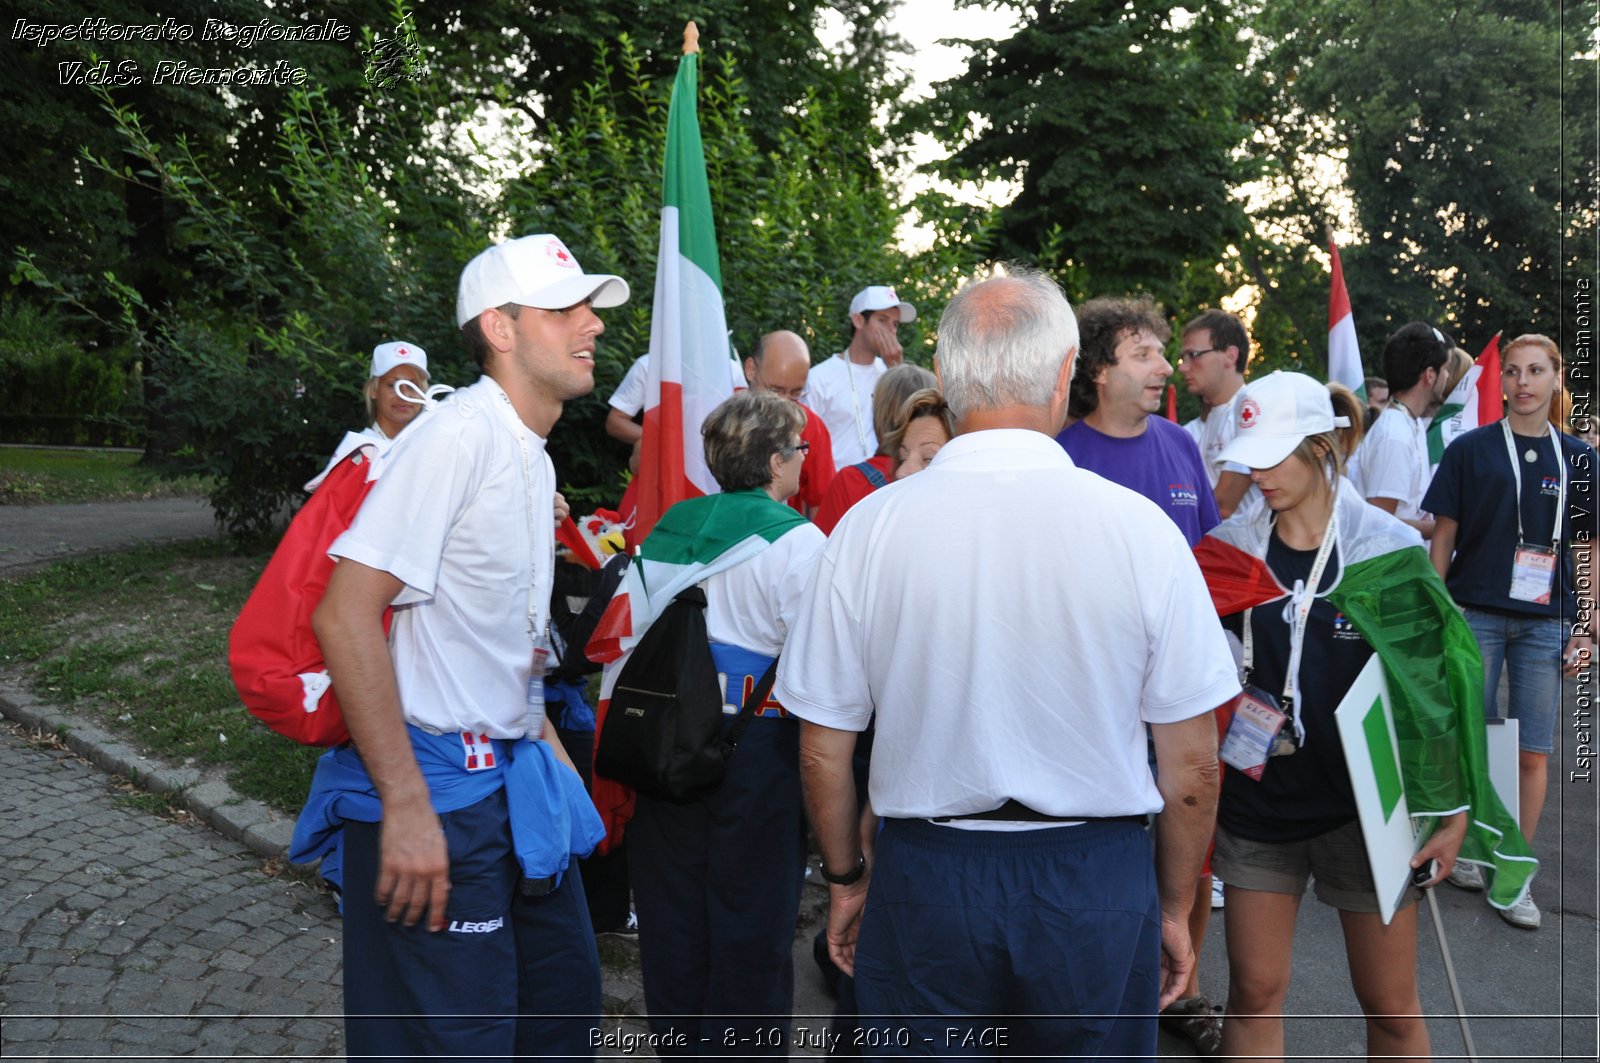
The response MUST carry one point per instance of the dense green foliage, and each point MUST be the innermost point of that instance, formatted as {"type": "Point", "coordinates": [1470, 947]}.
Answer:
{"type": "Point", "coordinates": [225, 258]}
{"type": "Point", "coordinates": [1119, 120]}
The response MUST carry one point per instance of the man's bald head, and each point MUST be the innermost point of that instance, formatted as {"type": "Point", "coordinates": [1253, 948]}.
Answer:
{"type": "Point", "coordinates": [780, 363]}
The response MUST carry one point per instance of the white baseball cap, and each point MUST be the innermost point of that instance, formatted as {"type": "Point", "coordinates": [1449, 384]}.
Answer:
{"type": "Point", "coordinates": [1275, 414]}
{"type": "Point", "coordinates": [881, 297]}
{"type": "Point", "coordinates": [534, 271]}
{"type": "Point", "coordinates": [385, 356]}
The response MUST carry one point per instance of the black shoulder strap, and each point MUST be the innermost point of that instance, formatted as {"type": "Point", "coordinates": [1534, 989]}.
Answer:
{"type": "Point", "coordinates": [873, 474]}
{"type": "Point", "coordinates": [747, 711]}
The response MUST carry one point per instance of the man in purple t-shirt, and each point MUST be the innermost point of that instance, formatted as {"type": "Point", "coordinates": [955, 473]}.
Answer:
{"type": "Point", "coordinates": [1119, 382]}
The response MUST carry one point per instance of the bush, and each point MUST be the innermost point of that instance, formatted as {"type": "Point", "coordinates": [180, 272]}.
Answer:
{"type": "Point", "coordinates": [56, 392]}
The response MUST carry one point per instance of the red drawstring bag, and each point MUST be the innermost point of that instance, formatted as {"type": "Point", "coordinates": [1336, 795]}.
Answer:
{"type": "Point", "coordinates": [276, 663]}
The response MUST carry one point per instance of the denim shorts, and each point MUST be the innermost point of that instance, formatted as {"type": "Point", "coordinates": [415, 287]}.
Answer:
{"type": "Point", "coordinates": [1529, 649]}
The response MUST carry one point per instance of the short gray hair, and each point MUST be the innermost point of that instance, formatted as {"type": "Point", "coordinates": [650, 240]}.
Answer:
{"type": "Point", "coordinates": [744, 432]}
{"type": "Point", "coordinates": [1002, 341]}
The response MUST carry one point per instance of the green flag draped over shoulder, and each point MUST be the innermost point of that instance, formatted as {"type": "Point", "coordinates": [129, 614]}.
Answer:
{"type": "Point", "coordinates": [1391, 594]}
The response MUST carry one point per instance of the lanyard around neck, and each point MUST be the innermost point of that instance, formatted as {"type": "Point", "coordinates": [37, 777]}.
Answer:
{"type": "Point", "coordinates": [508, 412]}
{"type": "Point", "coordinates": [1301, 598]}
{"type": "Point", "coordinates": [1561, 473]}
{"type": "Point", "coordinates": [855, 399]}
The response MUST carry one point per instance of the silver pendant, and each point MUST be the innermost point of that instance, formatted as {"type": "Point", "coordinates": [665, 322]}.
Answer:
{"type": "Point", "coordinates": [1531, 455]}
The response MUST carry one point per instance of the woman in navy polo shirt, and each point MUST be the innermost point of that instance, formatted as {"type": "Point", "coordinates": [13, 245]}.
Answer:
{"type": "Point", "coordinates": [1514, 501]}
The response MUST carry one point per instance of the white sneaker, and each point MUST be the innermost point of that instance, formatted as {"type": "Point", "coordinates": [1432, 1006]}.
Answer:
{"type": "Point", "coordinates": [1524, 913]}
{"type": "Point", "coordinates": [1466, 876]}
{"type": "Point", "coordinates": [1216, 892]}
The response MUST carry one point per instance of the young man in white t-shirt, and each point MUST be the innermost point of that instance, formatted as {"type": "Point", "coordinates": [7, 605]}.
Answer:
{"type": "Point", "coordinates": [1213, 355]}
{"type": "Point", "coordinates": [466, 930]}
{"type": "Point", "coordinates": [840, 389]}
{"type": "Point", "coordinates": [1393, 458]}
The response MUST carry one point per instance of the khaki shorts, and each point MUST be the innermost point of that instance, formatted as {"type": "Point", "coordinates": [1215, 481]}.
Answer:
{"type": "Point", "coordinates": [1336, 860]}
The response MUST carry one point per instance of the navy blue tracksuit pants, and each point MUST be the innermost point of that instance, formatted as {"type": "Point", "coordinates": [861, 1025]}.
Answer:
{"type": "Point", "coordinates": [716, 883]}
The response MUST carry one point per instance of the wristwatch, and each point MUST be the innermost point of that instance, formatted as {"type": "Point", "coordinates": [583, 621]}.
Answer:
{"type": "Point", "coordinates": [849, 878]}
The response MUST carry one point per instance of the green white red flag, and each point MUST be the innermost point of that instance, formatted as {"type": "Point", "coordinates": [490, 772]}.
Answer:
{"type": "Point", "coordinates": [1476, 400]}
{"type": "Point", "coordinates": [1394, 598]}
{"type": "Point", "coordinates": [689, 349]}
{"type": "Point", "coordinates": [1344, 353]}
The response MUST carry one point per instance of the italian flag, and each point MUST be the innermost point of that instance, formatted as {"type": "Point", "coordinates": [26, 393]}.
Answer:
{"type": "Point", "coordinates": [693, 541]}
{"type": "Point", "coordinates": [1392, 595]}
{"type": "Point", "coordinates": [1344, 353]}
{"type": "Point", "coordinates": [1476, 400]}
{"type": "Point", "coordinates": [689, 348]}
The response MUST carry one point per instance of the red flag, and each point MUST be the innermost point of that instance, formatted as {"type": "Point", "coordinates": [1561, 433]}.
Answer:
{"type": "Point", "coordinates": [1172, 403]}
{"type": "Point", "coordinates": [1491, 398]}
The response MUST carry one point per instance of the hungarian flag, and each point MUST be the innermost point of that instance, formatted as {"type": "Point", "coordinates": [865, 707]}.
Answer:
{"type": "Point", "coordinates": [1344, 353]}
{"type": "Point", "coordinates": [1476, 400]}
{"type": "Point", "coordinates": [1395, 599]}
{"type": "Point", "coordinates": [693, 541]}
{"type": "Point", "coordinates": [689, 347]}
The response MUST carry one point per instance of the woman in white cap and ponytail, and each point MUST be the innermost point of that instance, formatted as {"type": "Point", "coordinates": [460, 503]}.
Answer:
{"type": "Point", "coordinates": [1314, 582]}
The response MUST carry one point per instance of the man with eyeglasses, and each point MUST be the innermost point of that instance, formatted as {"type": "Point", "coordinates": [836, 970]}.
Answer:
{"type": "Point", "coordinates": [1214, 353]}
{"type": "Point", "coordinates": [780, 362]}
{"type": "Point", "coordinates": [841, 387]}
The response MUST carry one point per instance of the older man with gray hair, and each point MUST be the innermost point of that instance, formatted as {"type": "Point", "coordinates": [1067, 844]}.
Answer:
{"type": "Point", "coordinates": [1013, 876]}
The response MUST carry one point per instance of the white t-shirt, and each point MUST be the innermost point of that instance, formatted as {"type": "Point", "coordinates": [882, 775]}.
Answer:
{"type": "Point", "coordinates": [840, 392]}
{"type": "Point", "coordinates": [1001, 674]}
{"type": "Point", "coordinates": [754, 604]}
{"type": "Point", "coordinates": [454, 519]}
{"type": "Point", "coordinates": [1216, 432]}
{"type": "Point", "coordinates": [630, 394]}
{"type": "Point", "coordinates": [1394, 461]}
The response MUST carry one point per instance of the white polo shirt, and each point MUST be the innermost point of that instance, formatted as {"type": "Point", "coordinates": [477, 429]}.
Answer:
{"type": "Point", "coordinates": [630, 394]}
{"type": "Point", "coordinates": [1216, 432]}
{"type": "Point", "coordinates": [1394, 461]}
{"type": "Point", "coordinates": [840, 392]}
{"type": "Point", "coordinates": [999, 672]}
{"type": "Point", "coordinates": [754, 604]}
{"type": "Point", "coordinates": [454, 519]}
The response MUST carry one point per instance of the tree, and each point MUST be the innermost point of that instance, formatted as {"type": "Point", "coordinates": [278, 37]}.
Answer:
{"type": "Point", "coordinates": [1118, 119]}
{"type": "Point", "coordinates": [1454, 156]}
{"type": "Point", "coordinates": [800, 228]}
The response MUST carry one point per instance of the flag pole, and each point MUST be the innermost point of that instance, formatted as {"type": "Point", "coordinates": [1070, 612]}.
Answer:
{"type": "Point", "coordinates": [1450, 976]}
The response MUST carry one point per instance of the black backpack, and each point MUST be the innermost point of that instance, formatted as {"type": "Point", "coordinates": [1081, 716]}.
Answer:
{"type": "Point", "coordinates": [663, 731]}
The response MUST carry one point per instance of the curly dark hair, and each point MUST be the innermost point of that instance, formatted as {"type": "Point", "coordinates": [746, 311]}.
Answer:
{"type": "Point", "coordinates": [1102, 324]}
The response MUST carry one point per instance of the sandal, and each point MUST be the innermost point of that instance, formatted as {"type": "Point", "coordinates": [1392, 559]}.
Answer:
{"type": "Point", "coordinates": [1196, 1020]}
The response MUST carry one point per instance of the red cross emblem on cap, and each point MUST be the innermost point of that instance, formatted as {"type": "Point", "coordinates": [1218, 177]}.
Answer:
{"type": "Point", "coordinates": [402, 352]}
{"type": "Point", "coordinates": [558, 251]}
{"type": "Point", "coordinates": [1249, 413]}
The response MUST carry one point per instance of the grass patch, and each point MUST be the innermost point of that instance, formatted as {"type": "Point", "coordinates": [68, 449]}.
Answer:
{"type": "Point", "coordinates": [139, 641]}
{"type": "Point", "coordinates": [32, 477]}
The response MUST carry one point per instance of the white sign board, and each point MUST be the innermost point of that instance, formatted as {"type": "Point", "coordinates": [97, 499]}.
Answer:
{"type": "Point", "coordinates": [1366, 727]}
{"type": "Point", "coordinates": [1503, 757]}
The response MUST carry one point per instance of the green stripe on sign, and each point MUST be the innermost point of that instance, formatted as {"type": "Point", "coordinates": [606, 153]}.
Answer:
{"type": "Point", "coordinates": [1385, 765]}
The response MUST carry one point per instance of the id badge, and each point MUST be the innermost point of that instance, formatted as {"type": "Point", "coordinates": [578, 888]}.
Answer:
{"type": "Point", "coordinates": [1257, 722]}
{"type": "Point", "coordinates": [1533, 574]}
{"type": "Point", "coordinates": [533, 705]}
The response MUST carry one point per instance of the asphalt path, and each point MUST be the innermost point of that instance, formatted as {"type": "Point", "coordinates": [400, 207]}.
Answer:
{"type": "Point", "coordinates": [31, 536]}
